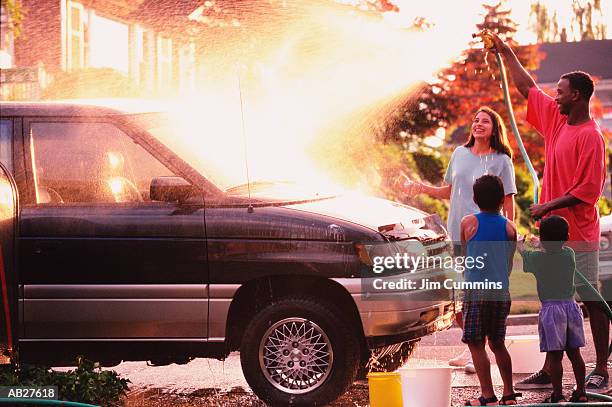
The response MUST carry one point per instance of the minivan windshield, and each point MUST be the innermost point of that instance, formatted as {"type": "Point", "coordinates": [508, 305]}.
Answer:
{"type": "Point", "coordinates": [219, 156]}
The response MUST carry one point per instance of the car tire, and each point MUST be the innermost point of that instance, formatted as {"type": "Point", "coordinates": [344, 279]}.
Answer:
{"type": "Point", "coordinates": [304, 332]}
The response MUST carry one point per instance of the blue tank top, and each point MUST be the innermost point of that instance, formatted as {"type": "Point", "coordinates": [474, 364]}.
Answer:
{"type": "Point", "coordinates": [491, 244]}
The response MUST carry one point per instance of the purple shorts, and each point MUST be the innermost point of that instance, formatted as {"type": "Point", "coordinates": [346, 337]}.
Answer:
{"type": "Point", "coordinates": [560, 325]}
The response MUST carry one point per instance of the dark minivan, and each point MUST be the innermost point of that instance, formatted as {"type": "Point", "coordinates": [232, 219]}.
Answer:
{"type": "Point", "coordinates": [123, 249]}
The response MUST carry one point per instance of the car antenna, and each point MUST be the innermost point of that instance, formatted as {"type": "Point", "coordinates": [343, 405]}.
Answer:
{"type": "Point", "coordinates": [244, 141]}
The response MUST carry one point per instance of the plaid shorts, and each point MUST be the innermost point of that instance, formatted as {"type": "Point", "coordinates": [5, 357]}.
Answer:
{"type": "Point", "coordinates": [485, 317]}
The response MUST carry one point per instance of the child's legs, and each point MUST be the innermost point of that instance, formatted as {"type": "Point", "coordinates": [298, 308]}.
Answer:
{"type": "Point", "coordinates": [504, 363]}
{"type": "Point", "coordinates": [482, 366]}
{"type": "Point", "coordinates": [578, 366]}
{"type": "Point", "coordinates": [496, 333]}
{"type": "Point", "coordinates": [553, 360]}
{"type": "Point", "coordinates": [478, 322]}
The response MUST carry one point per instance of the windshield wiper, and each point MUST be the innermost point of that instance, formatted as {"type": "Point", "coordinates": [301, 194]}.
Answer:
{"type": "Point", "coordinates": [258, 184]}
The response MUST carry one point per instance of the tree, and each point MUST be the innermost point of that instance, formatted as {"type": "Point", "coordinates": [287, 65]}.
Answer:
{"type": "Point", "coordinates": [587, 22]}
{"type": "Point", "coordinates": [90, 83]}
{"type": "Point", "coordinates": [469, 83]}
{"type": "Point", "coordinates": [540, 23]}
{"type": "Point", "coordinates": [15, 15]}
{"type": "Point", "coordinates": [462, 88]}
{"type": "Point", "coordinates": [587, 27]}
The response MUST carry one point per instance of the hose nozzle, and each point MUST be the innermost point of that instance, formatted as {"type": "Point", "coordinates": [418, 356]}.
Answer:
{"type": "Point", "coordinates": [487, 39]}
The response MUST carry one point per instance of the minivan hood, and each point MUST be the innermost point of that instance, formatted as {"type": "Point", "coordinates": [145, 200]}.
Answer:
{"type": "Point", "coordinates": [381, 215]}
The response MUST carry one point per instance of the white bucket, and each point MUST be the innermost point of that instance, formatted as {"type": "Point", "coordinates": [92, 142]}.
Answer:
{"type": "Point", "coordinates": [525, 353]}
{"type": "Point", "coordinates": [426, 386]}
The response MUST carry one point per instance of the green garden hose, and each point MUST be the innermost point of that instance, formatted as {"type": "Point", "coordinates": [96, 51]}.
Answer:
{"type": "Point", "coordinates": [515, 131]}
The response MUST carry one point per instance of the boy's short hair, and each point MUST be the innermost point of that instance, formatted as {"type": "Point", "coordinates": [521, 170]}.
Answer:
{"type": "Point", "coordinates": [489, 193]}
{"type": "Point", "coordinates": [554, 232]}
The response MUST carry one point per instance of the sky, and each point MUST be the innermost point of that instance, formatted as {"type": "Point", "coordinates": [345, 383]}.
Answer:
{"type": "Point", "coordinates": [463, 15]}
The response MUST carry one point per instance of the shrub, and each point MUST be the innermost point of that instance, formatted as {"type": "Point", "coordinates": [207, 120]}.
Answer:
{"type": "Point", "coordinates": [88, 383]}
{"type": "Point", "coordinates": [90, 83]}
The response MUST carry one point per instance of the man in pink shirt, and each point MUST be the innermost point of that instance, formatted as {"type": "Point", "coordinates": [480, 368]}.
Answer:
{"type": "Point", "coordinates": [574, 177]}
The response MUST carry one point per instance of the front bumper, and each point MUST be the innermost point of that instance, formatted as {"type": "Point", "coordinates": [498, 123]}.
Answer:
{"type": "Point", "coordinates": [389, 319]}
{"type": "Point", "coordinates": [386, 328]}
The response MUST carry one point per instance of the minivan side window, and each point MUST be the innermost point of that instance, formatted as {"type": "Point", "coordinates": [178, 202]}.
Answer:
{"type": "Point", "coordinates": [6, 135]}
{"type": "Point", "coordinates": [85, 162]}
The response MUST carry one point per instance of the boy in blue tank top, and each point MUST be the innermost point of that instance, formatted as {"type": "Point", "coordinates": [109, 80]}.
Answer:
{"type": "Point", "coordinates": [489, 241]}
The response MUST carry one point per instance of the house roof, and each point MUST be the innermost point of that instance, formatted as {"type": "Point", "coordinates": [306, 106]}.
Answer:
{"type": "Point", "coordinates": [594, 57]}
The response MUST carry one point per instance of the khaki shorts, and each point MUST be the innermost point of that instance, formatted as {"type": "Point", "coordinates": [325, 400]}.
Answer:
{"type": "Point", "coordinates": [587, 263]}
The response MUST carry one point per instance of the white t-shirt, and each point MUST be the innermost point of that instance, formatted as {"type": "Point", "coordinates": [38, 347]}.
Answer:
{"type": "Point", "coordinates": [463, 170]}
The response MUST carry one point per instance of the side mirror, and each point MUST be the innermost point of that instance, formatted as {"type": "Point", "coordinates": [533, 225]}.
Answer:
{"type": "Point", "coordinates": [171, 189]}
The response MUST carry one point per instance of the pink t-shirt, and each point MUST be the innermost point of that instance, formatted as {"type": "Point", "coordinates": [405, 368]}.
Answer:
{"type": "Point", "coordinates": [574, 163]}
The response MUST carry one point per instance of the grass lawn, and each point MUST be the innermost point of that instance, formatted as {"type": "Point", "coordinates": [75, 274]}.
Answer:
{"type": "Point", "coordinates": [523, 290]}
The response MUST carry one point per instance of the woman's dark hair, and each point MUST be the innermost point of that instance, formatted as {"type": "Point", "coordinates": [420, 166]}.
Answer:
{"type": "Point", "coordinates": [499, 138]}
{"type": "Point", "coordinates": [554, 232]}
{"type": "Point", "coordinates": [489, 193]}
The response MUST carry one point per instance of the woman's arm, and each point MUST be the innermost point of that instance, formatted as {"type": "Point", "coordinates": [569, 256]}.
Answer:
{"type": "Point", "coordinates": [443, 192]}
{"type": "Point", "coordinates": [508, 208]}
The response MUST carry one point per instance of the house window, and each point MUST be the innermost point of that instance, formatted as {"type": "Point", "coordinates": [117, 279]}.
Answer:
{"type": "Point", "coordinates": [164, 60]}
{"type": "Point", "coordinates": [75, 36]}
{"type": "Point", "coordinates": [109, 44]}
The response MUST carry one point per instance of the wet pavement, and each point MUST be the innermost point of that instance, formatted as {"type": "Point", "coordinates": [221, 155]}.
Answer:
{"type": "Point", "coordinates": [207, 382]}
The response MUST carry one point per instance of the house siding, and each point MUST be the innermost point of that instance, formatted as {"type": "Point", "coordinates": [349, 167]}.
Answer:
{"type": "Point", "coordinates": [41, 36]}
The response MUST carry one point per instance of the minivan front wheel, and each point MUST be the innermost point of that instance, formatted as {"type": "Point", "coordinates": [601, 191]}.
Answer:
{"type": "Point", "coordinates": [299, 351]}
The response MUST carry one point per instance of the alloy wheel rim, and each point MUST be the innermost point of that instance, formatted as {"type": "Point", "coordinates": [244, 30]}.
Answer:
{"type": "Point", "coordinates": [295, 355]}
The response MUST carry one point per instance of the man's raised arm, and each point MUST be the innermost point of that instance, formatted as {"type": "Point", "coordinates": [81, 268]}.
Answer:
{"type": "Point", "coordinates": [521, 77]}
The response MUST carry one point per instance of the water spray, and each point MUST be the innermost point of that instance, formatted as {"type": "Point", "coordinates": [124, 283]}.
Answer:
{"type": "Point", "coordinates": [489, 44]}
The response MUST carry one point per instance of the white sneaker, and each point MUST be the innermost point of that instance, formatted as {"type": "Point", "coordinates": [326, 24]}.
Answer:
{"type": "Point", "coordinates": [461, 360]}
{"type": "Point", "coordinates": [469, 367]}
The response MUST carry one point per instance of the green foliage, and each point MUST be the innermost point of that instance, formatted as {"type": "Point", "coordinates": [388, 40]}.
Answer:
{"type": "Point", "coordinates": [524, 196]}
{"type": "Point", "coordinates": [430, 166]}
{"type": "Point", "coordinates": [15, 15]}
{"type": "Point", "coordinates": [418, 116]}
{"type": "Point", "coordinates": [90, 83]}
{"type": "Point", "coordinates": [88, 383]}
{"type": "Point", "coordinates": [430, 205]}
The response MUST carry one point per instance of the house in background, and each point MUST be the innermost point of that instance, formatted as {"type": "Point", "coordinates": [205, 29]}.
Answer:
{"type": "Point", "coordinates": [145, 40]}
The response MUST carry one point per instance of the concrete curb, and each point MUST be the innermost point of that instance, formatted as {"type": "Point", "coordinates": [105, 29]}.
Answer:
{"type": "Point", "coordinates": [532, 319]}
{"type": "Point", "coordinates": [522, 319]}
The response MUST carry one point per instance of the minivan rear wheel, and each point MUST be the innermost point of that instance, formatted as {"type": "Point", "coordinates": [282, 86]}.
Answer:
{"type": "Point", "coordinates": [299, 351]}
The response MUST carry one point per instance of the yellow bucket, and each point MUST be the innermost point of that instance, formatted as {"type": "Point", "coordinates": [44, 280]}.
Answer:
{"type": "Point", "coordinates": [385, 389]}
